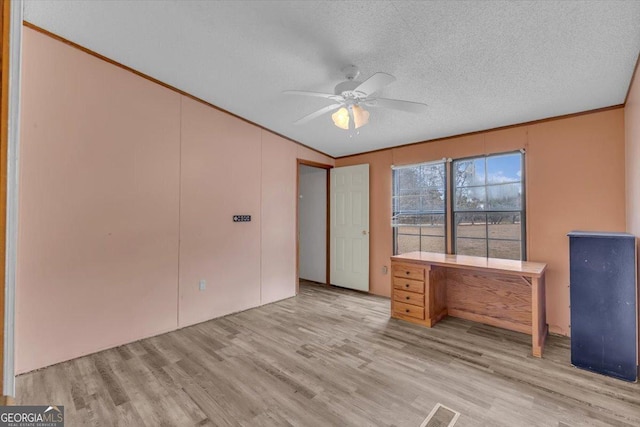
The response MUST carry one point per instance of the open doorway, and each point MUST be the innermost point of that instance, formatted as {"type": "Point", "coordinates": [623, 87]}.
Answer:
{"type": "Point", "coordinates": [313, 219]}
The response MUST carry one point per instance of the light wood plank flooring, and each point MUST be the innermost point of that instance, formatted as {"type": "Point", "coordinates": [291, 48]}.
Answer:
{"type": "Point", "coordinates": [330, 357]}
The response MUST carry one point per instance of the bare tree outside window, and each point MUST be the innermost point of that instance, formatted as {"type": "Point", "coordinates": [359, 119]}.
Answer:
{"type": "Point", "coordinates": [418, 217]}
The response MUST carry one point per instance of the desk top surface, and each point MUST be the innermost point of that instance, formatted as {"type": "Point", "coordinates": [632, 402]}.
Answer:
{"type": "Point", "coordinates": [522, 268]}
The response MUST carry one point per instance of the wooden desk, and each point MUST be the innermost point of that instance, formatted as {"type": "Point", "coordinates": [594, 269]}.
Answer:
{"type": "Point", "coordinates": [425, 287]}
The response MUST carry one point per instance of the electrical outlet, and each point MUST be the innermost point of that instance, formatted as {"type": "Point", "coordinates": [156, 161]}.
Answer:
{"type": "Point", "coordinates": [242, 218]}
{"type": "Point", "coordinates": [384, 269]}
{"type": "Point", "coordinates": [202, 285]}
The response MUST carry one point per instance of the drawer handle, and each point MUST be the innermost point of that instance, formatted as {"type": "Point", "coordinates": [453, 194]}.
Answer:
{"type": "Point", "coordinates": [408, 272]}
{"type": "Point", "coordinates": [406, 285]}
{"type": "Point", "coordinates": [408, 297]}
{"type": "Point", "coordinates": [406, 310]}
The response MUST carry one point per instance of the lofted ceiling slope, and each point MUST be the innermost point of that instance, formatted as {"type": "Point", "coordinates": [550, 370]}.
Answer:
{"type": "Point", "coordinates": [478, 65]}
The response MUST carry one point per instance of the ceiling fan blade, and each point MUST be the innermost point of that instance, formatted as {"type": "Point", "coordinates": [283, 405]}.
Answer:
{"type": "Point", "coordinates": [397, 104]}
{"type": "Point", "coordinates": [316, 94]}
{"type": "Point", "coordinates": [374, 83]}
{"type": "Point", "coordinates": [318, 113]}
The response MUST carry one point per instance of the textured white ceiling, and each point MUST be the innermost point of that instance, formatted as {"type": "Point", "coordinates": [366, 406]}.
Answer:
{"type": "Point", "coordinates": [478, 65]}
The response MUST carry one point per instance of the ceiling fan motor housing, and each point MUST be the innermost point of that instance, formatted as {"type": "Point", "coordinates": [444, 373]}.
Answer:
{"type": "Point", "coordinates": [346, 90]}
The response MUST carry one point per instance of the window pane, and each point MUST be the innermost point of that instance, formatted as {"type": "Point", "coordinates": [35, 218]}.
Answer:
{"type": "Point", "coordinates": [432, 175]}
{"type": "Point", "coordinates": [416, 191]}
{"type": "Point", "coordinates": [420, 176]}
{"type": "Point", "coordinates": [505, 249]}
{"type": "Point", "coordinates": [470, 199]}
{"type": "Point", "coordinates": [475, 247]}
{"type": "Point", "coordinates": [471, 225]}
{"type": "Point", "coordinates": [469, 172]}
{"type": "Point", "coordinates": [504, 225]}
{"type": "Point", "coordinates": [407, 178]}
{"type": "Point", "coordinates": [432, 244]}
{"type": "Point", "coordinates": [419, 193]}
{"type": "Point", "coordinates": [407, 243]}
{"type": "Point", "coordinates": [504, 168]}
{"type": "Point", "coordinates": [488, 206]}
{"type": "Point", "coordinates": [433, 226]}
{"type": "Point", "coordinates": [425, 219]}
{"type": "Point", "coordinates": [505, 197]}
{"type": "Point", "coordinates": [409, 230]}
{"type": "Point", "coordinates": [433, 200]}
{"type": "Point", "coordinates": [407, 203]}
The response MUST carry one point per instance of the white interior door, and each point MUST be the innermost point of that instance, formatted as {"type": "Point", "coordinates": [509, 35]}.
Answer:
{"type": "Point", "coordinates": [349, 230]}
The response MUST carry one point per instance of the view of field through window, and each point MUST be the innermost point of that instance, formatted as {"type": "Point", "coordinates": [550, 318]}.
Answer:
{"type": "Point", "coordinates": [488, 207]}
{"type": "Point", "coordinates": [419, 208]}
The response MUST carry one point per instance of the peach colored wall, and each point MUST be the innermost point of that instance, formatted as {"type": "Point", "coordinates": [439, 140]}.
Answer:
{"type": "Point", "coordinates": [632, 156]}
{"type": "Point", "coordinates": [98, 225]}
{"type": "Point", "coordinates": [575, 174]}
{"type": "Point", "coordinates": [127, 190]}
{"type": "Point", "coordinates": [313, 156]}
{"type": "Point", "coordinates": [220, 176]}
{"type": "Point", "coordinates": [278, 235]}
{"type": "Point", "coordinates": [574, 180]}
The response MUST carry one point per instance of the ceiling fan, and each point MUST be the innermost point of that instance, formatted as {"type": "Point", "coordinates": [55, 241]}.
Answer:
{"type": "Point", "coordinates": [351, 96]}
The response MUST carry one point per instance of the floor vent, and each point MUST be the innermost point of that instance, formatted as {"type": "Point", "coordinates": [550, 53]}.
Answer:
{"type": "Point", "coordinates": [441, 416]}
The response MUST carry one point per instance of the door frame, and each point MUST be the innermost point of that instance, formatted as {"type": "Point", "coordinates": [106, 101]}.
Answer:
{"type": "Point", "coordinates": [5, 10]}
{"type": "Point", "coordinates": [11, 42]}
{"type": "Point", "coordinates": [327, 167]}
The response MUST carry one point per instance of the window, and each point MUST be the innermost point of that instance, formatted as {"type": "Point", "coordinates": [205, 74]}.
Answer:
{"type": "Point", "coordinates": [488, 212]}
{"type": "Point", "coordinates": [488, 206]}
{"type": "Point", "coordinates": [419, 199]}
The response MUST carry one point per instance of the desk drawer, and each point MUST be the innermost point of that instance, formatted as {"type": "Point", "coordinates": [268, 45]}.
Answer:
{"type": "Point", "coordinates": [408, 297]}
{"type": "Point", "coordinates": [409, 310]}
{"type": "Point", "coordinates": [408, 272]}
{"type": "Point", "coordinates": [408, 285]}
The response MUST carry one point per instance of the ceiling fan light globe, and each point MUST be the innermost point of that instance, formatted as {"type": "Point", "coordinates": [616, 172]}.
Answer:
{"type": "Point", "coordinates": [360, 116]}
{"type": "Point", "coordinates": [341, 118]}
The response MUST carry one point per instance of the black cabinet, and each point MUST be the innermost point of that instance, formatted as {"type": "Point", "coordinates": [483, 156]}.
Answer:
{"type": "Point", "coordinates": [603, 303]}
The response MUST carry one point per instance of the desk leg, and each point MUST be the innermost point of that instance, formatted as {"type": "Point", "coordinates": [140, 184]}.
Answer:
{"type": "Point", "coordinates": [539, 326]}
{"type": "Point", "coordinates": [436, 294]}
